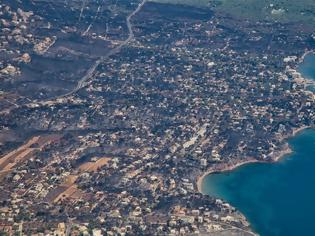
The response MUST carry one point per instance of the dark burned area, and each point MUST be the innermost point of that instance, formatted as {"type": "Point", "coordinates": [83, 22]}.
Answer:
{"type": "Point", "coordinates": [193, 91]}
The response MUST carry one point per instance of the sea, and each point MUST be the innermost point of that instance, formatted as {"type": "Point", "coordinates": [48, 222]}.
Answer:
{"type": "Point", "coordinates": [278, 198]}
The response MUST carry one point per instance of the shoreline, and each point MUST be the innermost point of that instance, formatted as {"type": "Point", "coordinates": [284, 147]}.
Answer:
{"type": "Point", "coordinates": [304, 80]}
{"type": "Point", "coordinates": [275, 157]}
{"type": "Point", "coordinates": [301, 60]}
{"type": "Point", "coordinates": [225, 169]}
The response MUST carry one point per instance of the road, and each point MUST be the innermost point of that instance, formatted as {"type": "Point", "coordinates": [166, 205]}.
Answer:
{"type": "Point", "coordinates": [90, 72]}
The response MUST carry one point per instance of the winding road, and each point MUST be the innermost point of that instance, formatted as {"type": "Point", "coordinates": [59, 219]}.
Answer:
{"type": "Point", "coordinates": [90, 72]}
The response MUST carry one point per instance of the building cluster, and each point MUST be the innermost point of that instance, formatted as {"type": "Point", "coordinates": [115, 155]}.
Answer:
{"type": "Point", "coordinates": [193, 92]}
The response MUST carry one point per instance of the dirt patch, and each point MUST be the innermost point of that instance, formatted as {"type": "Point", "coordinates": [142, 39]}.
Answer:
{"type": "Point", "coordinates": [94, 166]}
{"type": "Point", "coordinates": [69, 189]}
{"type": "Point", "coordinates": [25, 152]}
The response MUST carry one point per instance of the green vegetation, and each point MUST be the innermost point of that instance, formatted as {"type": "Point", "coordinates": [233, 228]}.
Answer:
{"type": "Point", "coordinates": [280, 10]}
{"type": "Point", "coordinates": [199, 3]}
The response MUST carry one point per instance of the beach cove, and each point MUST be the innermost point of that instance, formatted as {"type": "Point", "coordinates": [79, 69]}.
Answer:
{"type": "Point", "coordinates": [277, 198]}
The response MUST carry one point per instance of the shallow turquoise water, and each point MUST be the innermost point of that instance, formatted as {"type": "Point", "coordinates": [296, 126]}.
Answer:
{"type": "Point", "coordinates": [277, 198]}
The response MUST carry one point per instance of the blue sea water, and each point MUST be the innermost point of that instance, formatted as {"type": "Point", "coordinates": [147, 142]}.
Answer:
{"type": "Point", "coordinates": [278, 199]}
{"type": "Point", "coordinates": [307, 68]}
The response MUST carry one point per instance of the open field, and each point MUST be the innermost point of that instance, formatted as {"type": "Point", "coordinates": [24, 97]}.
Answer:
{"type": "Point", "coordinates": [283, 11]}
{"type": "Point", "coordinates": [18, 155]}
{"type": "Point", "coordinates": [93, 166]}
{"type": "Point", "coordinates": [69, 189]}
{"type": "Point", "coordinates": [198, 3]}
{"type": "Point", "coordinates": [24, 152]}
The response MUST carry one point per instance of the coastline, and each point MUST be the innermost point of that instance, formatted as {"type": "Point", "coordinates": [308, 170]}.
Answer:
{"type": "Point", "coordinates": [301, 60]}
{"type": "Point", "coordinates": [218, 170]}
{"type": "Point", "coordinates": [275, 157]}
{"type": "Point", "coordinates": [303, 79]}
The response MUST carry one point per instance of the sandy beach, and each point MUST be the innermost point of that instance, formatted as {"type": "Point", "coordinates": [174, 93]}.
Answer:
{"type": "Point", "coordinates": [216, 169]}
{"type": "Point", "coordinates": [298, 130]}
